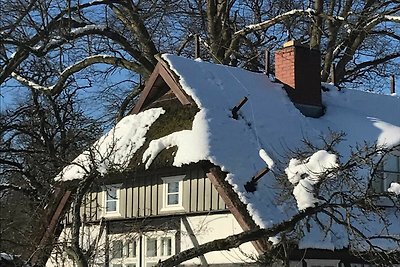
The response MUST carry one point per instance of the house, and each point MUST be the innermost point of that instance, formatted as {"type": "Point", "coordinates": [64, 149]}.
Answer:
{"type": "Point", "coordinates": [200, 157]}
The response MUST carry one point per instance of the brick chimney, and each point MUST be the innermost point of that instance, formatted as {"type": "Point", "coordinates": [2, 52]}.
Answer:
{"type": "Point", "coordinates": [298, 68]}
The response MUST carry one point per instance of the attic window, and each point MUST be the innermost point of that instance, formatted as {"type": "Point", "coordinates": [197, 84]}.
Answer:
{"type": "Point", "coordinates": [172, 192]}
{"type": "Point", "coordinates": [111, 200]}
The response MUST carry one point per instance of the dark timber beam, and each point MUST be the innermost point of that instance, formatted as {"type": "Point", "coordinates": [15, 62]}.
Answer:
{"type": "Point", "coordinates": [236, 207]}
{"type": "Point", "coordinates": [43, 251]}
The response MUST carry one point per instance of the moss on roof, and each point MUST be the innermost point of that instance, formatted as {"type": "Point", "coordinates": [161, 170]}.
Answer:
{"type": "Point", "coordinates": [176, 118]}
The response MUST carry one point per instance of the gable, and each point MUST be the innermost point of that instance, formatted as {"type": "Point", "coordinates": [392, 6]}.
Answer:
{"type": "Point", "coordinates": [161, 81]}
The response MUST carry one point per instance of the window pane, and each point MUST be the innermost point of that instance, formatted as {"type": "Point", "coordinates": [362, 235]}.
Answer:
{"type": "Point", "coordinates": [111, 206]}
{"type": "Point", "coordinates": [131, 249]}
{"type": "Point", "coordinates": [111, 193]}
{"type": "Point", "coordinates": [166, 246]}
{"type": "Point", "coordinates": [117, 249]}
{"type": "Point", "coordinates": [130, 265]}
{"type": "Point", "coordinates": [173, 199]}
{"type": "Point", "coordinates": [117, 265]}
{"type": "Point", "coordinates": [151, 247]}
{"type": "Point", "coordinates": [173, 187]}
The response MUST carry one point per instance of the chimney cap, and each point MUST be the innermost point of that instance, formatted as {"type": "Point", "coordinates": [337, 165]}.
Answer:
{"type": "Point", "coordinates": [292, 43]}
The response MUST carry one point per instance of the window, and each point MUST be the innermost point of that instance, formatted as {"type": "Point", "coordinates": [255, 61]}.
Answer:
{"type": "Point", "coordinates": [125, 249]}
{"type": "Point", "coordinates": [166, 246]}
{"type": "Point", "coordinates": [151, 247]}
{"type": "Point", "coordinates": [390, 173]}
{"type": "Point", "coordinates": [117, 249]}
{"type": "Point", "coordinates": [111, 200]}
{"type": "Point", "coordinates": [159, 246]}
{"type": "Point", "coordinates": [130, 248]}
{"type": "Point", "coordinates": [173, 192]}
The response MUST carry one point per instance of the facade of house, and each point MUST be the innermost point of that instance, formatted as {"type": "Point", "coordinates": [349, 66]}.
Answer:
{"type": "Point", "coordinates": [182, 181]}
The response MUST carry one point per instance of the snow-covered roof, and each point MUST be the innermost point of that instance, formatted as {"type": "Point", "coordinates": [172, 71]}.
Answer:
{"type": "Point", "coordinates": [271, 122]}
{"type": "Point", "coordinates": [268, 128]}
{"type": "Point", "coordinates": [114, 150]}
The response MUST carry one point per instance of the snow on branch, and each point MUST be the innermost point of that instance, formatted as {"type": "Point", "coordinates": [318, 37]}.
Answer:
{"type": "Point", "coordinates": [57, 41]}
{"type": "Point", "coordinates": [63, 77]}
{"type": "Point", "coordinates": [292, 13]}
{"type": "Point", "coordinates": [268, 23]}
{"type": "Point", "coordinates": [380, 18]}
{"type": "Point", "coordinates": [393, 18]}
{"type": "Point", "coordinates": [394, 188]}
{"type": "Point", "coordinates": [305, 174]}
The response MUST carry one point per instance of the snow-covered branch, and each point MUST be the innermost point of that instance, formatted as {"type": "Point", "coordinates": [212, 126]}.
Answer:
{"type": "Point", "coordinates": [268, 23]}
{"type": "Point", "coordinates": [393, 18]}
{"type": "Point", "coordinates": [292, 13]}
{"type": "Point", "coordinates": [63, 77]}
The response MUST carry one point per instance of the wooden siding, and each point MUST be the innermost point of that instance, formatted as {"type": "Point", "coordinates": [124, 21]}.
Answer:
{"type": "Point", "coordinates": [141, 197]}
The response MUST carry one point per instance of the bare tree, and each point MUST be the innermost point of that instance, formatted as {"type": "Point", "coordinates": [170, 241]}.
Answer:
{"type": "Point", "coordinates": [354, 36]}
{"type": "Point", "coordinates": [37, 138]}
{"type": "Point", "coordinates": [344, 198]}
{"type": "Point", "coordinates": [58, 48]}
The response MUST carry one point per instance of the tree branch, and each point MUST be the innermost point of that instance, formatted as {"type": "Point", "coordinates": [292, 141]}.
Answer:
{"type": "Point", "coordinates": [236, 240]}
{"type": "Point", "coordinates": [372, 63]}
{"type": "Point", "coordinates": [58, 87]}
{"type": "Point", "coordinates": [292, 13]}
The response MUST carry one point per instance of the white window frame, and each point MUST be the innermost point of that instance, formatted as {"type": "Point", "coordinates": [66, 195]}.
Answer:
{"type": "Point", "coordinates": [124, 260]}
{"type": "Point", "coordinates": [158, 235]}
{"type": "Point", "coordinates": [166, 181]}
{"type": "Point", "coordinates": [322, 262]}
{"type": "Point", "coordinates": [117, 212]}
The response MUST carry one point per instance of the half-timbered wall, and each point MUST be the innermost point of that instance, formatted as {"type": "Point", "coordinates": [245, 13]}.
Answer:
{"type": "Point", "coordinates": [142, 196]}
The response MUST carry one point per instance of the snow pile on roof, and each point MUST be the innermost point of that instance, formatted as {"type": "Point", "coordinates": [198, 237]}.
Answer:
{"type": "Point", "coordinates": [115, 149]}
{"type": "Point", "coordinates": [305, 174]}
{"type": "Point", "coordinates": [271, 122]}
{"type": "Point", "coordinates": [394, 188]}
{"type": "Point", "coordinates": [270, 163]}
{"type": "Point", "coordinates": [184, 141]}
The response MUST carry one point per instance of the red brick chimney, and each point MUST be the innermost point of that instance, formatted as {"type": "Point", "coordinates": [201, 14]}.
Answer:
{"type": "Point", "coordinates": [298, 68]}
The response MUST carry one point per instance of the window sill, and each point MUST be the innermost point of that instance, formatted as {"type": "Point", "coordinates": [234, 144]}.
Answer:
{"type": "Point", "coordinates": [112, 215]}
{"type": "Point", "coordinates": [173, 209]}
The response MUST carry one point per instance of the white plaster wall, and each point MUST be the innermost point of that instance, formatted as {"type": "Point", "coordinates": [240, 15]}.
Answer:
{"type": "Point", "coordinates": [90, 233]}
{"type": "Point", "coordinates": [211, 227]}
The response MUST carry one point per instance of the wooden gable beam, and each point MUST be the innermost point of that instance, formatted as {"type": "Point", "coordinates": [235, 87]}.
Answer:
{"type": "Point", "coordinates": [41, 255]}
{"type": "Point", "coordinates": [146, 91]}
{"type": "Point", "coordinates": [236, 207]}
{"type": "Point", "coordinates": [161, 71]}
{"type": "Point", "coordinates": [168, 77]}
